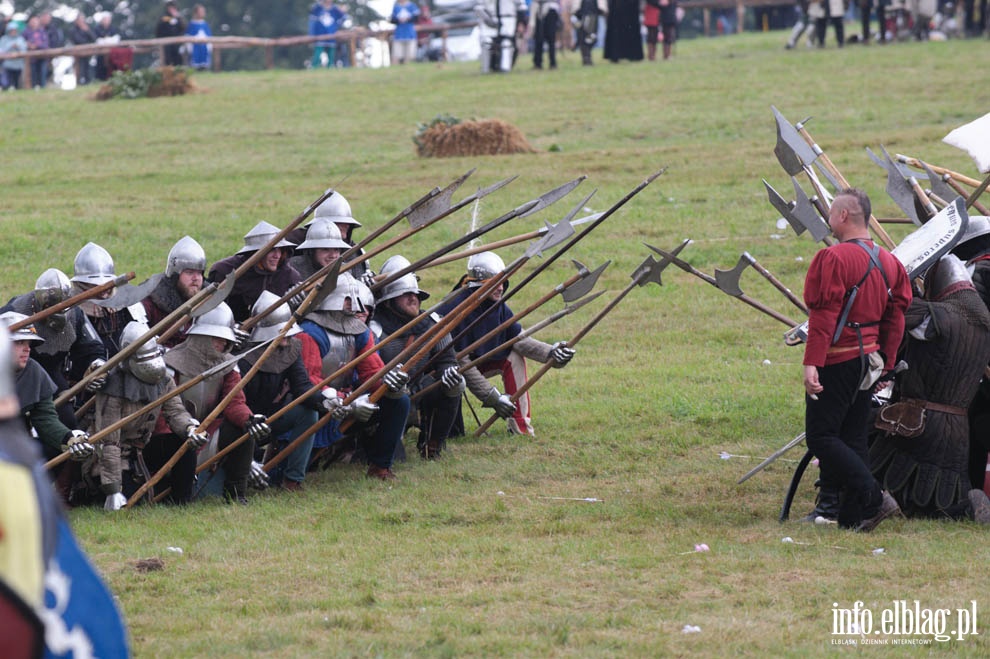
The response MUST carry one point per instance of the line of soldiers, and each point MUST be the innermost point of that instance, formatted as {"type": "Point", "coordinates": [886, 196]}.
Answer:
{"type": "Point", "coordinates": [177, 402]}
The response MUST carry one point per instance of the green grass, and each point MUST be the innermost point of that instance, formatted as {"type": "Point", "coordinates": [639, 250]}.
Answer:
{"type": "Point", "coordinates": [443, 563]}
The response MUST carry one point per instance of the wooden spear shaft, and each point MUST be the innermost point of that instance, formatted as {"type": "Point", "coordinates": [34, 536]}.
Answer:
{"type": "Point", "coordinates": [72, 301]}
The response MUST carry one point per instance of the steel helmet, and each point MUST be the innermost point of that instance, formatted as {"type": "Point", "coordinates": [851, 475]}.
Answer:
{"type": "Point", "coordinates": [366, 296]}
{"type": "Point", "coordinates": [947, 276]}
{"type": "Point", "coordinates": [346, 289]}
{"type": "Point", "coordinates": [7, 366]}
{"type": "Point", "coordinates": [975, 240]}
{"type": "Point", "coordinates": [52, 287]}
{"type": "Point", "coordinates": [405, 284]}
{"type": "Point", "coordinates": [259, 236]}
{"type": "Point", "coordinates": [147, 364]}
{"type": "Point", "coordinates": [217, 322]}
{"type": "Point", "coordinates": [394, 264]}
{"type": "Point", "coordinates": [26, 333]}
{"type": "Point", "coordinates": [482, 266]}
{"type": "Point", "coordinates": [323, 233]}
{"type": "Point", "coordinates": [336, 209]}
{"type": "Point", "coordinates": [187, 254]}
{"type": "Point", "coordinates": [93, 265]}
{"type": "Point", "coordinates": [269, 326]}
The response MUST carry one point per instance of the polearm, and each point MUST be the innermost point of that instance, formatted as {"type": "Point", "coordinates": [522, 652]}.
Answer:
{"type": "Point", "coordinates": [99, 436]}
{"type": "Point", "coordinates": [529, 331]}
{"type": "Point", "coordinates": [768, 461]}
{"type": "Point", "coordinates": [578, 285]}
{"type": "Point", "coordinates": [72, 301]}
{"type": "Point", "coordinates": [237, 388]}
{"type": "Point", "coordinates": [176, 316]}
{"type": "Point", "coordinates": [647, 271]}
{"type": "Point", "coordinates": [915, 162]}
{"type": "Point", "coordinates": [528, 208]}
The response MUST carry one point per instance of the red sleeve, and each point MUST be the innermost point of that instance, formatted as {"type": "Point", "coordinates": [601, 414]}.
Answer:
{"type": "Point", "coordinates": [892, 323]}
{"type": "Point", "coordinates": [823, 294]}
{"type": "Point", "coordinates": [311, 358]}
{"type": "Point", "coordinates": [237, 411]}
{"type": "Point", "coordinates": [372, 365]}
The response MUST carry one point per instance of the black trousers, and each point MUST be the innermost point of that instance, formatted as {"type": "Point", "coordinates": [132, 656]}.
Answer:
{"type": "Point", "coordinates": [837, 426]}
{"type": "Point", "coordinates": [545, 31]}
{"type": "Point", "coordinates": [437, 413]}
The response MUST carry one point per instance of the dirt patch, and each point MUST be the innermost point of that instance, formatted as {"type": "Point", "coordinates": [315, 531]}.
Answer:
{"type": "Point", "coordinates": [149, 565]}
{"type": "Point", "coordinates": [488, 137]}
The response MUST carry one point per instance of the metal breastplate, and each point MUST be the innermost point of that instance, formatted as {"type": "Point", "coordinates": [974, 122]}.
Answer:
{"type": "Point", "coordinates": [342, 350]}
{"type": "Point", "coordinates": [202, 397]}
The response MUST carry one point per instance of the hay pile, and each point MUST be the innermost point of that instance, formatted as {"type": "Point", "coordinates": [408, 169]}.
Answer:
{"type": "Point", "coordinates": [150, 83]}
{"type": "Point", "coordinates": [488, 137]}
{"type": "Point", "coordinates": [175, 82]}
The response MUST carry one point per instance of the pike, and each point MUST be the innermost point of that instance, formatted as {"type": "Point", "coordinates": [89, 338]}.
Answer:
{"type": "Point", "coordinates": [794, 154]}
{"type": "Point", "coordinates": [237, 388]}
{"type": "Point", "coordinates": [71, 302]}
{"type": "Point", "coordinates": [800, 213]}
{"type": "Point", "coordinates": [728, 280]}
{"type": "Point", "coordinates": [528, 208]}
{"type": "Point", "coordinates": [99, 436]}
{"type": "Point", "coordinates": [687, 267]}
{"type": "Point", "coordinates": [125, 296]}
{"type": "Point", "coordinates": [914, 162]}
{"type": "Point", "coordinates": [878, 230]}
{"type": "Point", "coordinates": [906, 192]}
{"type": "Point", "coordinates": [773, 458]}
{"type": "Point", "coordinates": [647, 272]}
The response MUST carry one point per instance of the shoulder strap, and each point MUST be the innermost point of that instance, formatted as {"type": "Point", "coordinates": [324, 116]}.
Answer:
{"type": "Point", "coordinates": [874, 262]}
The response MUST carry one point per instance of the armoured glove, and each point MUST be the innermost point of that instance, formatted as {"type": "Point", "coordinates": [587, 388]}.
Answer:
{"type": "Point", "coordinates": [196, 440]}
{"type": "Point", "coordinates": [453, 382]}
{"type": "Point", "coordinates": [96, 383]}
{"type": "Point", "coordinates": [78, 446]}
{"type": "Point", "coordinates": [257, 478]}
{"type": "Point", "coordinates": [256, 427]}
{"type": "Point", "coordinates": [560, 354]}
{"type": "Point", "coordinates": [331, 401]}
{"type": "Point", "coordinates": [115, 501]}
{"type": "Point", "coordinates": [368, 278]}
{"type": "Point", "coordinates": [296, 300]}
{"type": "Point", "coordinates": [396, 380]}
{"type": "Point", "coordinates": [241, 338]}
{"type": "Point", "coordinates": [501, 403]}
{"type": "Point", "coordinates": [362, 408]}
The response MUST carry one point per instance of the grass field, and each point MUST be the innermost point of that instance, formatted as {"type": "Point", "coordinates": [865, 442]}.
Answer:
{"type": "Point", "coordinates": [494, 550]}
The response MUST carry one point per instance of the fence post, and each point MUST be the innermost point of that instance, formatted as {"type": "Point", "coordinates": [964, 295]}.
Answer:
{"type": "Point", "coordinates": [26, 73]}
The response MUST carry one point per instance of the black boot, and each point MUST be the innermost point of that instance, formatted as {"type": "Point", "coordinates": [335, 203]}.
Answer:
{"type": "Point", "coordinates": [826, 505]}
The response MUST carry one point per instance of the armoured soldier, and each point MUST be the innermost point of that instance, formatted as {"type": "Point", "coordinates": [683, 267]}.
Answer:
{"type": "Point", "coordinates": [93, 266]}
{"type": "Point", "coordinates": [323, 245]}
{"type": "Point", "coordinates": [399, 304]}
{"type": "Point", "coordinates": [280, 379]}
{"type": "Point", "coordinates": [184, 270]}
{"type": "Point", "coordinates": [922, 455]}
{"type": "Point", "coordinates": [119, 467]}
{"type": "Point", "coordinates": [207, 345]}
{"type": "Point", "coordinates": [333, 337]}
{"type": "Point", "coordinates": [272, 273]}
{"type": "Point", "coordinates": [35, 390]}
{"type": "Point", "coordinates": [71, 347]}
{"type": "Point", "coordinates": [509, 362]}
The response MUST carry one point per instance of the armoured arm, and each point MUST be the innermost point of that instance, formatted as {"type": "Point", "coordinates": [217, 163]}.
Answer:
{"type": "Point", "coordinates": [476, 382]}
{"type": "Point", "coordinates": [175, 414]}
{"type": "Point", "coordinates": [87, 348]}
{"type": "Point", "coordinates": [534, 349]}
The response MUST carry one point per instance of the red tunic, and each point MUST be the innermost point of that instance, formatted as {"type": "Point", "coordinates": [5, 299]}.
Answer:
{"type": "Point", "coordinates": [833, 272]}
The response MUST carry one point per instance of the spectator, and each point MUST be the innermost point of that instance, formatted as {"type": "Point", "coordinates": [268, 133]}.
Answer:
{"type": "Point", "coordinates": [668, 25]}
{"type": "Point", "coordinates": [544, 16]}
{"type": "Point", "coordinates": [56, 36]}
{"type": "Point", "coordinates": [81, 34]}
{"type": "Point", "coordinates": [651, 21]}
{"type": "Point", "coordinates": [37, 39]}
{"type": "Point", "coordinates": [201, 57]}
{"type": "Point", "coordinates": [622, 32]}
{"type": "Point", "coordinates": [585, 15]}
{"type": "Point", "coordinates": [171, 24]}
{"type": "Point", "coordinates": [12, 42]}
{"type": "Point", "coordinates": [826, 11]}
{"type": "Point", "coordinates": [105, 33]}
{"type": "Point", "coordinates": [325, 19]}
{"type": "Point", "coordinates": [404, 15]}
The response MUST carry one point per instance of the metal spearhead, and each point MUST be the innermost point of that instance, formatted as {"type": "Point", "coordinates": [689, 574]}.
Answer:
{"type": "Point", "coordinates": [125, 296]}
{"type": "Point", "coordinates": [900, 190]}
{"type": "Point", "coordinates": [938, 183]}
{"type": "Point", "coordinates": [806, 214]}
{"type": "Point", "coordinates": [650, 269]}
{"type": "Point", "coordinates": [585, 284]}
{"type": "Point", "coordinates": [901, 167]}
{"type": "Point", "coordinates": [326, 286]}
{"type": "Point", "coordinates": [438, 204]}
{"type": "Point", "coordinates": [554, 235]}
{"type": "Point", "coordinates": [728, 280]}
{"type": "Point", "coordinates": [792, 152]}
{"type": "Point", "coordinates": [571, 308]}
{"type": "Point", "coordinates": [785, 208]}
{"type": "Point", "coordinates": [548, 198]}
{"type": "Point", "coordinates": [218, 296]}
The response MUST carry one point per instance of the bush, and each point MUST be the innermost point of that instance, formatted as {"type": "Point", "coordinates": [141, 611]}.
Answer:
{"type": "Point", "coordinates": [140, 83]}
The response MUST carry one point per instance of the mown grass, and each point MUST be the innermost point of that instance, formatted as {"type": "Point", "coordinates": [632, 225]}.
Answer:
{"type": "Point", "coordinates": [482, 553]}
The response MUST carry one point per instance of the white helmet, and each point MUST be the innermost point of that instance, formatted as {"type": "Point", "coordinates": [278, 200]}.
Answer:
{"type": "Point", "coordinates": [407, 283]}
{"type": "Point", "coordinates": [366, 296]}
{"type": "Point", "coordinates": [26, 333]}
{"type": "Point", "coordinates": [7, 387]}
{"type": "Point", "coordinates": [217, 322]}
{"type": "Point", "coordinates": [336, 209]}
{"type": "Point", "coordinates": [147, 364]}
{"type": "Point", "coordinates": [52, 287]}
{"type": "Point", "coordinates": [346, 289]}
{"type": "Point", "coordinates": [323, 233]}
{"type": "Point", "coordinates": [187, 254]}
{"type": "Point", "coordinates": [394, 264]}
{"type": "Point", "coordinates": [482, 266]}
{"type": "Point", "coordinates": [259, 236]}
{"type": "Point", "coordinates": [93, 265]}
{"type": "Point", "coordinates": [269, 326]}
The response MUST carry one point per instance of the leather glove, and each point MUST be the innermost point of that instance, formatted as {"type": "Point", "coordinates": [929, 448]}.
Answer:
{"type": "Point", "coordinates": [501, 403]}
{"type": "Point", "coordinates": [257, 478]}
{"type": "Point", "coordinates": [296, 300]}
{"type": "Point", "coordinates": [396, 380]}
{"type": "Point", "coordinates": [560, 354]}
{"type": "Point", "coordinates": [256, 427]}
{"type": "Point", "coordinates": [78, 446]}
{"type": "Point", "coordinates": [453, 382]}
{"type": "Point", "coordinates": [362, 408]}
{"type": "Point", "coordinates": [196, 440]}
{"type": "Point", "coordinates": [241, 338]}
{"type": "Point", "coordinates": [368, 278]}
{"type": "Point", "coordinates": [115, 501]}
{"type": "Point", "coordinates": [96, 383]}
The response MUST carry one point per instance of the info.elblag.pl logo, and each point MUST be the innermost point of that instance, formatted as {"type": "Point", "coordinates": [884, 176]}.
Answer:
{"type": "Point", "coordinates": [901, 623]}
